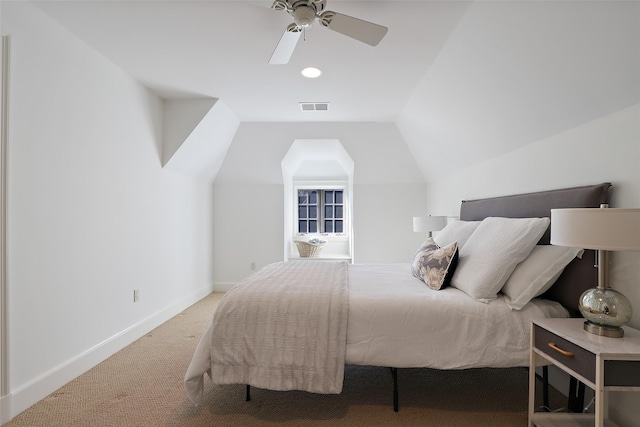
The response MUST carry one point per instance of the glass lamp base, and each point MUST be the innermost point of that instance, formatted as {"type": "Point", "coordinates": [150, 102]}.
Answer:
{"type": "Point", "coordinates": [605, 310]}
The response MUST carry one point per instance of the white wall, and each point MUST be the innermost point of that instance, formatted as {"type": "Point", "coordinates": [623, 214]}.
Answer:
{"type": "Point", "coordinates": [92, 214]}
{"type": "Point", "coordinates": [604, 150]}
{"type": "Point", "coordinates": [248, 229]}
{"type": "Point", "coordinates": [388, 187]}
{"type": "Point", "coordinates": [383, 220]}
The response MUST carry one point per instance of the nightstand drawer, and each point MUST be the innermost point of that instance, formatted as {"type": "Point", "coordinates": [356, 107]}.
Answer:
{"type": "Point", "coordinates": [570, 355]}
{"type": "Point", "coordinates": [622, 373]}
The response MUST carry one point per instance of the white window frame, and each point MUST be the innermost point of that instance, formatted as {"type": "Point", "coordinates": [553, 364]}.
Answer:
{"type": "Point", "coordinates": [323, 185]}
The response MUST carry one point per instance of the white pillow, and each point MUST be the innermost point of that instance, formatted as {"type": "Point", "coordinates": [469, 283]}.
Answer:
{"type": "Point", "coordinates": [456, 231]}
{"type": "Point", "coordinates": [537, 273]}
{"type": "Point", "coordinates": [492, 252]}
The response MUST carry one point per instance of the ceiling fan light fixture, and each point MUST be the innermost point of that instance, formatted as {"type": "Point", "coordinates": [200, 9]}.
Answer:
{"type": "Point", "coordinates": [311, 72]}
{"type": "Point", "coordinates": [303, 16]}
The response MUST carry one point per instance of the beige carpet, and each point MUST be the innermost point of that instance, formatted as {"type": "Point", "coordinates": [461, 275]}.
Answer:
{"type": "Point", "coordinates": [142, 386]}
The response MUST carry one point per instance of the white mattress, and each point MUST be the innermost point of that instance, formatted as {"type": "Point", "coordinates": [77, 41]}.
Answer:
{"type": "Point", "coordinates": [396, 320]}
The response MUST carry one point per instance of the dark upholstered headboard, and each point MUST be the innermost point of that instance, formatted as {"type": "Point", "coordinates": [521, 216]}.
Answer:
{"type": "Point", "coordinates": [580, 275]}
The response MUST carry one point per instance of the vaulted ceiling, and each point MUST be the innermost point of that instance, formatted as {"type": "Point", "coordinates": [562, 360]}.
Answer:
{"type": "Point", "coordinates": [463, 81]}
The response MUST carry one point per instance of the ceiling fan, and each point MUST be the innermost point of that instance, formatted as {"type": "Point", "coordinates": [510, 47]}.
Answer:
{"type": "Point", "coordinates": [305, 11]}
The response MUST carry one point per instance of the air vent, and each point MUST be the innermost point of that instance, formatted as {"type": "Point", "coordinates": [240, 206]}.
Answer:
{"type": "Point", "coordinates": [314, 106]}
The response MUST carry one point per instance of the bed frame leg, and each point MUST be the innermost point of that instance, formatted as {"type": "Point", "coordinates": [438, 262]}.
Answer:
{"type": "Point", "coordinates": [248, 397]}
{"type": "Point", "coordinates": [394, 375]}
{"type": "Point", "coordinates": [545, 390]}
{"type": "Point", "coordinates": [576, 395]}
{"type": "Point", "coordinates": [544, 379]}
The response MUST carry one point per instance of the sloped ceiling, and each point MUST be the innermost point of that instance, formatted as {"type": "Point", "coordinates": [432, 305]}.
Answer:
{"type": "Point", "coordinates": [463, 81]}
{"type": "Point", "coordinates": [196, 136]}
{"type": "Point", "coordinates": [514, 73]}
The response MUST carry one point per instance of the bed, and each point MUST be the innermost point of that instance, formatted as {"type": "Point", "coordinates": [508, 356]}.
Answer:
{"type": "Point", "coordinates": [294, 325]}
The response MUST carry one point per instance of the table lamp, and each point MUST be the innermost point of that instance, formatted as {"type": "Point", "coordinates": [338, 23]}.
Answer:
{"type": "Point", "coordinates": [422, 224]}
{"type": "Point", "coordinates": [605, 309]}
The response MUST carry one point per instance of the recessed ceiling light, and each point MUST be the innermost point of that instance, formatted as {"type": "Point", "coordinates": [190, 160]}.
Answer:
{"type": "Point", "coordinates": [311, 72]}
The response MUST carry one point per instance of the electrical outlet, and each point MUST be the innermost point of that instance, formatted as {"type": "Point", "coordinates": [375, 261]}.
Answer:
{"type": "Point", "coordinates": [253, 266]}
{"type": "Point", "coordinates": [136, 295]}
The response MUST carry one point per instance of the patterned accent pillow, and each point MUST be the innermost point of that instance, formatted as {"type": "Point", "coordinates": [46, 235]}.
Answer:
{"type": "Point", "coordinates": [435, 265]}
{"type": "Point", "coordinates": [427, 245]}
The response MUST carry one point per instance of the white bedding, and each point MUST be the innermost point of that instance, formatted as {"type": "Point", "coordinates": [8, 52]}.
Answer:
{"type": "Point", "coordinates": [396, 320]}
{"type": "Point", "coordinates": [393, 320]}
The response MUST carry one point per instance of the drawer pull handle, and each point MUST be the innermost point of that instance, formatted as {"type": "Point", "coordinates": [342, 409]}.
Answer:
{"type": "Point", "coordinates": [561, 351]}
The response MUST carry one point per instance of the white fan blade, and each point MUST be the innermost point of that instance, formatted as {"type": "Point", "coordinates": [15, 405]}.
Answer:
{"type": "Point", "coordinates": [364, 31]}
{"type": "Point", "coordinates": [286, 45]}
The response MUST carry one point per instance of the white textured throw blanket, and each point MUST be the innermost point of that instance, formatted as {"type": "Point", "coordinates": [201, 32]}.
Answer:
{"type": "Point", "coordinates": [283, 328]}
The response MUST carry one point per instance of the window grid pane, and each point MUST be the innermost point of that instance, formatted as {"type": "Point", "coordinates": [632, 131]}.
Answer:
{"type": "Point", "coordinates": [328, 196]}
{"type": "Point", "coordinates": [328, 226]}
{"type": "Point", "coordinates": [328, 211]}
{"type": "Point", "coordinates": [327, 203]}
{"type": "Point", "coordinates": [307, 211]}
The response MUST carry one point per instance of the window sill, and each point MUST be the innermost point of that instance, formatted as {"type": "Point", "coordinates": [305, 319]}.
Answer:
{"type": "Point", "coordinates": [322, 258]}
{"type": "Point", "coordinates": [322, 236]}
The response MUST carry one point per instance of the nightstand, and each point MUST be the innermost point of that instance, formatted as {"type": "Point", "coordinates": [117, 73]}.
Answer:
{"type": "Point", "coordinates": [603, 364]}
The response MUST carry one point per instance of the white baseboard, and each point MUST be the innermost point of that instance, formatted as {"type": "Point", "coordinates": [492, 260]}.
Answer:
{"type": "Point", "coordinates": [30, 393]}
{"type": "Point", "coordinates": [5, 409]}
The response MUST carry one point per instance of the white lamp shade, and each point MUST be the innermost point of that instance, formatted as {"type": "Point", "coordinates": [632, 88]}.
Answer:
{"type": "Point", "coordinates": [428, 223]}
{"type": "Point", "coordinates": [609, 229]}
